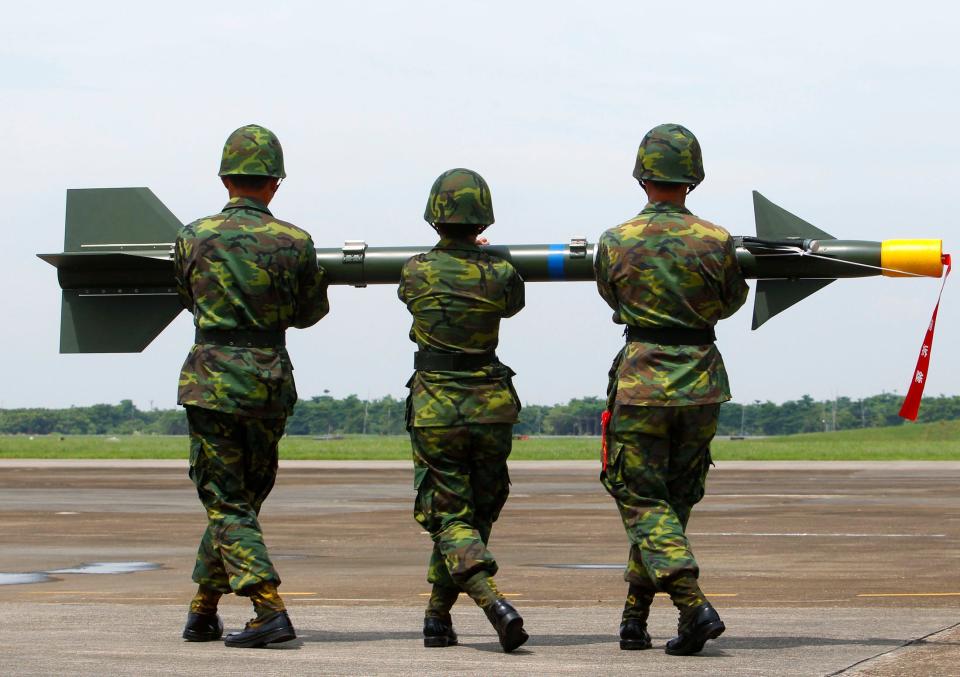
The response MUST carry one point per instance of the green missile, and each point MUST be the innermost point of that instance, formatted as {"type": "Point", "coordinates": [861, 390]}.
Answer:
{"type": "Point", "coordinates": [116, 270]}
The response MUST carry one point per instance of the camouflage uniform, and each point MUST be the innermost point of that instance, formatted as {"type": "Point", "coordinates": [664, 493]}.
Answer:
{"type": "Point", "coordinates": [460, 422]}
{"type": "Point", "coordinates": [241, 270]}
{"type": "Point", "coordinates": [462, 405]}
{"type": "Point", "coordinates": [664, 269]}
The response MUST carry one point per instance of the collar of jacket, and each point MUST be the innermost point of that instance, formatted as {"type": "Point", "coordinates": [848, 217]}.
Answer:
{"type": "Point", "coordinates": [665, 207]}
{"type": "Point", "coordinates": [246, 203]}
{"type": "Point", "coordinates": [449, 243]}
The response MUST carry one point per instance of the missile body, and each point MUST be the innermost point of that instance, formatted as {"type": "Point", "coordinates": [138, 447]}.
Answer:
{"type": "Point", "coordinates": [117, 278]}
{"type": "Point", "coordinates": [358, 265]}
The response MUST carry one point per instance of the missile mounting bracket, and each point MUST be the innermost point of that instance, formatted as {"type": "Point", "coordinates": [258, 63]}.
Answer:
{"type": "Point", "coordinates": [355, 252]}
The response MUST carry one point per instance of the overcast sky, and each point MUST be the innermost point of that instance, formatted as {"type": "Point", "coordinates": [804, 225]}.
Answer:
{"type": "Point", "coordinates": [844, 113]}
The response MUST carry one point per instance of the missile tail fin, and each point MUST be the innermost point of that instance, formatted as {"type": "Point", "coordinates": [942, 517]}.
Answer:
{"type": "Point", "coordinates": [100, 217]}
{"type": "Point", "coordinates": [775, 223]}
{"type": "Point", "coordinates": [116, 271]}
{"type": "Point", "coordinates": [775, 296]}
{"type": "Point", "coordinates": [122, 323]}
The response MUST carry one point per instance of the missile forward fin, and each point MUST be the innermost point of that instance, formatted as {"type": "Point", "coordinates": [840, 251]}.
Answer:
{"type": "Point", "coordinates": [775, 296]}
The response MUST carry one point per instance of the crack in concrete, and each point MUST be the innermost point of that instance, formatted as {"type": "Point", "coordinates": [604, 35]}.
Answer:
{"type": "Point", "coordinates": [913, 642]}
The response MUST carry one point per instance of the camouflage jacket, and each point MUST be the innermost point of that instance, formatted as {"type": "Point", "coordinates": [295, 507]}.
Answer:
{"type": "Point", "coordinates": [457, 295]}
{"type": "Point", "coordinates": [242, 269]}
{"type": "Point", "coordinates": [666, 268]}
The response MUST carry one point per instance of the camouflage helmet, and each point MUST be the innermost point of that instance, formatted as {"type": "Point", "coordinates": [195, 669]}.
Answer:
{"type": "Point", "coordinates": [254, 151]}
{"type": "Point", "coordinates": [669, 153]}
{"type": "Point", "coordinates": [459, 196]}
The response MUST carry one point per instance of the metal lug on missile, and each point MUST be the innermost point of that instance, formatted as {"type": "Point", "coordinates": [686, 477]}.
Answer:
{"type": "Point", "coordinates": [578, 247]}
{"type": "Point", "coordinates": [355, 252]}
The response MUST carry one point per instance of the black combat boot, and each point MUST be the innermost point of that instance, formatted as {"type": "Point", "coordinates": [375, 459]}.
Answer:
{"type": "Point", "coordinates": [636, 610]}
{"type": "Point", "coordinates": [202, 627]}
{"type": "Point", "coordinates": [271, 625]}
{"type": "Point", "coordinates": [203, 623]}
{"type": "Point", "coordinates": [438, 632]}
{"type": "Point", "coordinates": [634, 635]}
{"type": "Point", "coordinates": [501, 614]}
{"type": "Point", "coordinates": [272, 629]}
{"type": "Point", "coordinates": [508, 623]}
{"type": "Point", "coordinates": [696, 626]}
{"type": "Point", "coordinates": [437, 624]}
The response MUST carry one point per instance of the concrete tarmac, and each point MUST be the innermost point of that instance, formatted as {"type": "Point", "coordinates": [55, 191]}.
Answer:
{"type": "Point", "coordinates": [817, 569]}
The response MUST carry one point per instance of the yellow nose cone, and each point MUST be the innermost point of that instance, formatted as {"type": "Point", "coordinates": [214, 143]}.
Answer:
{"type": "Point", "coordinates": [905, 258]}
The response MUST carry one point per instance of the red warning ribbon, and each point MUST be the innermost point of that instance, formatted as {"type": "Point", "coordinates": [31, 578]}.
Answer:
{"type": "Point", "coordinates": [604, 424]}
{"type": "Point", "coordinates": [911, 403]}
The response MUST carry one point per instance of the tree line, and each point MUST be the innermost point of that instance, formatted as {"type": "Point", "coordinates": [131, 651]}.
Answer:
{"type": "Point", "coordinates": [327, 415]}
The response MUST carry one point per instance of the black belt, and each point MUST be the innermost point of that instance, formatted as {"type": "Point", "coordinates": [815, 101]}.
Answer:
{"type": "Point", "coordinates": [671, 336]}
{"type": "Point", "coordinates": [241, 338]}
{"type": "Point", "coordinates": [430, 361]}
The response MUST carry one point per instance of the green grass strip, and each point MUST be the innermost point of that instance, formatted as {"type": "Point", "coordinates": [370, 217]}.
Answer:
{"type": "Point", "coordinates": [919, 442]}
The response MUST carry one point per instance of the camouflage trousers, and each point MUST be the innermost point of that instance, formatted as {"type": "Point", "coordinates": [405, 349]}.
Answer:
{"type": "Point", "coordinates": [657, 471]}
{"type": "Point", "coordinates": [233, 463]}
{"type": "Point", "coordinates": [460, 474]}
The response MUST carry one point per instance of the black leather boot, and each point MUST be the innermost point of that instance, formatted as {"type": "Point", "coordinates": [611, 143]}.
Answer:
{"type": "Point", "coordinates": [202, 627]}
{"type": "Point", "coordinates": [695, 628]}
{"type": "Point", "coordinates": [634, 635]}
{"type": "Point", "coordinates": [636, 610]}
{"type": "Point", "coordinates": [260, 632]}
{"type": "Point", "coordinates": [508, 623]}
{"type": "Point", "coordinates": [438, 632]}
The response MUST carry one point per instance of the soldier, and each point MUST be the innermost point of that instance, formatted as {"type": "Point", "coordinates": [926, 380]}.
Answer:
{"type": "Point", "coordinates": [246, 277]}
{"type": "Point", "coordinates": [462, 405]}
{"type": "Point", "coordinates": [669, 277]}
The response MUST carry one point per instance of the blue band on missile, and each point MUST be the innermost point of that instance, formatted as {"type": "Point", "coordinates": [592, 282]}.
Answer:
{"type": "Point", "coordinates": [558, 252]}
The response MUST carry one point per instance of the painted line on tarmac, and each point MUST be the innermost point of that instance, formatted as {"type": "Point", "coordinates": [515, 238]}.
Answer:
{"type": "Point", "coordinates": [345, 599]}
{"type": "Point", "coordinates": [81, 592]}
{"type": "Point", "coordinates": [909, 594]}
{"type": "Point", "coordinates": [781, 495]}
{"type": "Point", "coordinates": [812, 534]}
{"type": "Point", "coordinates": [114, 599]}
{"type": "Point", "coordinates": [463, 594]}
{"type": "Point", "coordinates": [594, 601]}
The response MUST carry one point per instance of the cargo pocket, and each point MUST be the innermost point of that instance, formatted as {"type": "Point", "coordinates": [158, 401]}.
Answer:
{"type": "Point", "coordinates": [612, 477]}
{"type": "Point", "coordinates": [423, 504]}
{"type": "Point", "coordinates": [197, 470]}
{"type": "Point", "coordinates": [419, 474]}
{"type": "Point", "coordinates": [613, 378]}
{"type": "Point", "coordinates": [700, 487]}
{"type": "Point", "coordinates": [500, 497]}
{"type": "Point", "coordinates": [408, 405]}
{"type": "Point", "coordinates": [516, 397]}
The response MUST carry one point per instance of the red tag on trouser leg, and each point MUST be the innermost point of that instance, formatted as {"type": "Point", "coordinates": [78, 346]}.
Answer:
{"type": "Point", "coordinates": [911, 403]}
{"type": "Point", "coordinates": [604, 424]}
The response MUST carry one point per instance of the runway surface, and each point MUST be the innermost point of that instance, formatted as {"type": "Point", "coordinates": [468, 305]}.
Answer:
{"type": "Point", "coordinates": [817, 568]}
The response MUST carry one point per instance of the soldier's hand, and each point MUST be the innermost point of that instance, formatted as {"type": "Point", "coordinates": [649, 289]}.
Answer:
{"type": "Point", "coordinates": [482, 240]}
